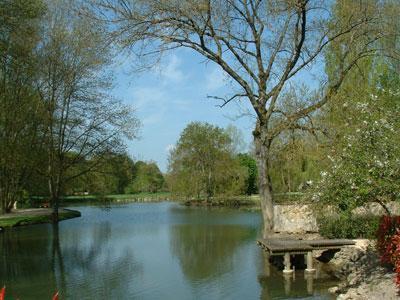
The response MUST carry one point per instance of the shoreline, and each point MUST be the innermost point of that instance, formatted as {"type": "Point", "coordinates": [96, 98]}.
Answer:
{"type": "Point", "coordinates": [24, 217]}
{"type": "Point", "coordinates": [361, 274]}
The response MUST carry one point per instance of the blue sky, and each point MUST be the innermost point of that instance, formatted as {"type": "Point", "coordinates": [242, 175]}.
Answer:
{"type": "Point", "coordinates": [173, 94]}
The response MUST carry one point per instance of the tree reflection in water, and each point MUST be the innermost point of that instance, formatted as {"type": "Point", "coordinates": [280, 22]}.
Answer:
{"type": "Point", "coordinates": [206, 252]}
{"type": "Point", "coordinates": [81, 264]}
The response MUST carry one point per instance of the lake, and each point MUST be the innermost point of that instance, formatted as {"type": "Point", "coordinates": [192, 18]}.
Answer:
{"type": "Point", "coordinates": [148, 251]}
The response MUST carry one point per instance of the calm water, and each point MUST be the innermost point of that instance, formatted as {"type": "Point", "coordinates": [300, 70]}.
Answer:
{"type": "Point", "coordinates": [147, 251]}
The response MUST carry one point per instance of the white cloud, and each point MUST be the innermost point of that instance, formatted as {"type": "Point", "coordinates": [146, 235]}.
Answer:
{"type": "Point", "coordinates": [170, 70]}
{"type": "Point", "coordinates": [144, 97]}
{"type": "Point", "coordinates": [215, 79]}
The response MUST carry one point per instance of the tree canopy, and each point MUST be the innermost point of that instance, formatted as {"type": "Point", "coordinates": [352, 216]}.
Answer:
{"type": "Point", "coordinates": [202, 164]}
{"type": "Point", "coordinates": [263, 47]}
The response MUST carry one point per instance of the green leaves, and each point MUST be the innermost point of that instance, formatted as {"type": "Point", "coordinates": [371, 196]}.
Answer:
{"type": "Point", "coordinates": [365, 164]}
{"type": "Point", "coordinates": [203, 163]}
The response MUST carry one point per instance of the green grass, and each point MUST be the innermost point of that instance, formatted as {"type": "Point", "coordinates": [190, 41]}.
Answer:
{"type": "Point", "coordinates": [37, 219]}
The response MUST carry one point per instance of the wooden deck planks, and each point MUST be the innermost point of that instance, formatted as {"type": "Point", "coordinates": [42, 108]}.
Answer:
{"type": "Point", "coordinates": [279, 246]}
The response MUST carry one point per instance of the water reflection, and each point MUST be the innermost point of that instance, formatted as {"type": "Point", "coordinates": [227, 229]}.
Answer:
{"type": "Point", "coordinates": [146, 251]}
{"type": "Point", "coordinates": [81, 264]}
{"type": "Point", "coordinates": [206, 252]}
{"type": "Point", "coordinates": [299, 284]}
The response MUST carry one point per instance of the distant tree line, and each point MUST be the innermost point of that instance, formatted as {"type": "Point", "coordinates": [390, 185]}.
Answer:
{"type": "Point", "coordinates": [118, 174]}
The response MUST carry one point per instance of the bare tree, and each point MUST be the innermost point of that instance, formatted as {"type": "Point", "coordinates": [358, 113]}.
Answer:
{"type": "Point", "coordinates": [264, 46]}
{"type": "Point", "coordinates": [82, 120]}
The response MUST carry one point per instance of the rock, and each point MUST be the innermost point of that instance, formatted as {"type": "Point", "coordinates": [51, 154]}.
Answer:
{"type": "Point", "coordinates": [294, 218]}
{"type": "Point", "coordinates": [363, 276]}
{"type": "Point", "coordinates": [334, 290]}
{"type": "Point", "coordinates": [377, 210]}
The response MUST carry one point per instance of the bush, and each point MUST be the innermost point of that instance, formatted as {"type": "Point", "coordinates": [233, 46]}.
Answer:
{"type": "Point", "coordinates": [348, 226]}
{"type": "Point", "coordinates": [388, 226]}
{"type": "Point", "coordinates": [388, 243]}
{"type": "Point", "coordinates": [395, 259]}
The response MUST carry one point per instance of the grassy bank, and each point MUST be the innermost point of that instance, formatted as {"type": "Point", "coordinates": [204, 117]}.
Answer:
{"type": "Point", "coordinates": [34, 216]}
{"type": "Point", "coordinates": [36, 201]}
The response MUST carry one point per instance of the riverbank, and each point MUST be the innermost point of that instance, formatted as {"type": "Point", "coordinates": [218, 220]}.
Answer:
{"type": "Point", "coordinates": [139, 197]}
{"type": "Point", "coordinates": [361, 274]}
{"type": "Point", "coordinates": [22, 217]}
{"type": "Point", "coordinates": [246, 202]}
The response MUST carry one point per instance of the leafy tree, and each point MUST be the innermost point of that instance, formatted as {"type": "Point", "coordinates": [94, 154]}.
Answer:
{"type": "Point", "coordinates": [250, 164]}
{"type": "Point", "coordinates": [112, 175]}
{"type": "Point", "coordinates": [296, 162]}
{"type": "Point", "coordinates": [203, 165]}
{"type": "Point", "coordinates": [147, 178]}
{"type": "Point", "coordinates": [363, 144]}
{"type": "Point", "coordinates": [365, 165]}
{"type": "Point", "coordinates": [263, 46]}
{"type": "Point", "coordinates": [83, 123]}
{"type": "Point", "coordinates": [20, 109]}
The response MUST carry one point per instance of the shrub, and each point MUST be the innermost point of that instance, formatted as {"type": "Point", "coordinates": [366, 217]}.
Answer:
{"type": "Point", "coordinates": [395, 258]}
{"type": "Point", "coordinates": [348, 226]}
{"type": "Point", "coordinates": [388, 243]}
{"type": "Point", "coordinates": [388, 226]}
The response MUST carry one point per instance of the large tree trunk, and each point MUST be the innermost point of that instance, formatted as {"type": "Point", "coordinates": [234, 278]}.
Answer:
{"type": "Point", "coordinates": [263, 145]}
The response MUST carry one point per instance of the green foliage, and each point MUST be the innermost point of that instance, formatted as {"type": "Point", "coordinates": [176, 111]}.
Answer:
{"type": "Point", "coordinates": [147, 178]}
{"type": "Point", "coordinates": [295, 162]}
{"type": "Point", "coordinates": [348, 226]}
{"type": "Point", "coordinates": [363, 123]}
{"type": "Point", "coordinates": [365, 164]}
{"type": "Point", "coordinates": [20, 109]}
{"type": "Point", "coordinates": [251, 180]}
{"type": "Point", "coordinates": [203, 164]}
{"type": "Point", "coordinates": [113, 173]}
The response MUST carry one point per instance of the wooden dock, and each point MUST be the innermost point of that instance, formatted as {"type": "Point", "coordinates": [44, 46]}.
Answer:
{"type": "Point", "coordinates": [287, 247]}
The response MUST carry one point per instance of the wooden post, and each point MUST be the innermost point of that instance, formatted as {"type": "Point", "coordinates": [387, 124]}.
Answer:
{"type": "Point", "coordinates": [267, 264]}
{"type": "Point", "coordinates": [286, 261]}
{"type": "Point", "coordinates": [309, 262]}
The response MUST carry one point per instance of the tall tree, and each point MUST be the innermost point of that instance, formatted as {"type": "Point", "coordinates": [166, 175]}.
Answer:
{"type": "Point", "coordinates": [203, 165]}
{"type": "Point", "coordinates": [20, 109]}
{"type": "Point", "coordinates": [82, 120]}
{"type": "Point", "coordinates": [263, 46]}
{"type": "Point", "coordinates": [363, 125]}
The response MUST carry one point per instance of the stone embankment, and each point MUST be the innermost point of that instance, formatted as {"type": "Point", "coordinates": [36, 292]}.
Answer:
{"type": "Point", "coordinates": [361, 273]}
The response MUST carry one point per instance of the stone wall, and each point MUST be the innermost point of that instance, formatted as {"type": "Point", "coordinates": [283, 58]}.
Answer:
{"type": "Point", "coordinates": [294, 219]}
{"type": "Point", "coordinates": [300, 218]}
